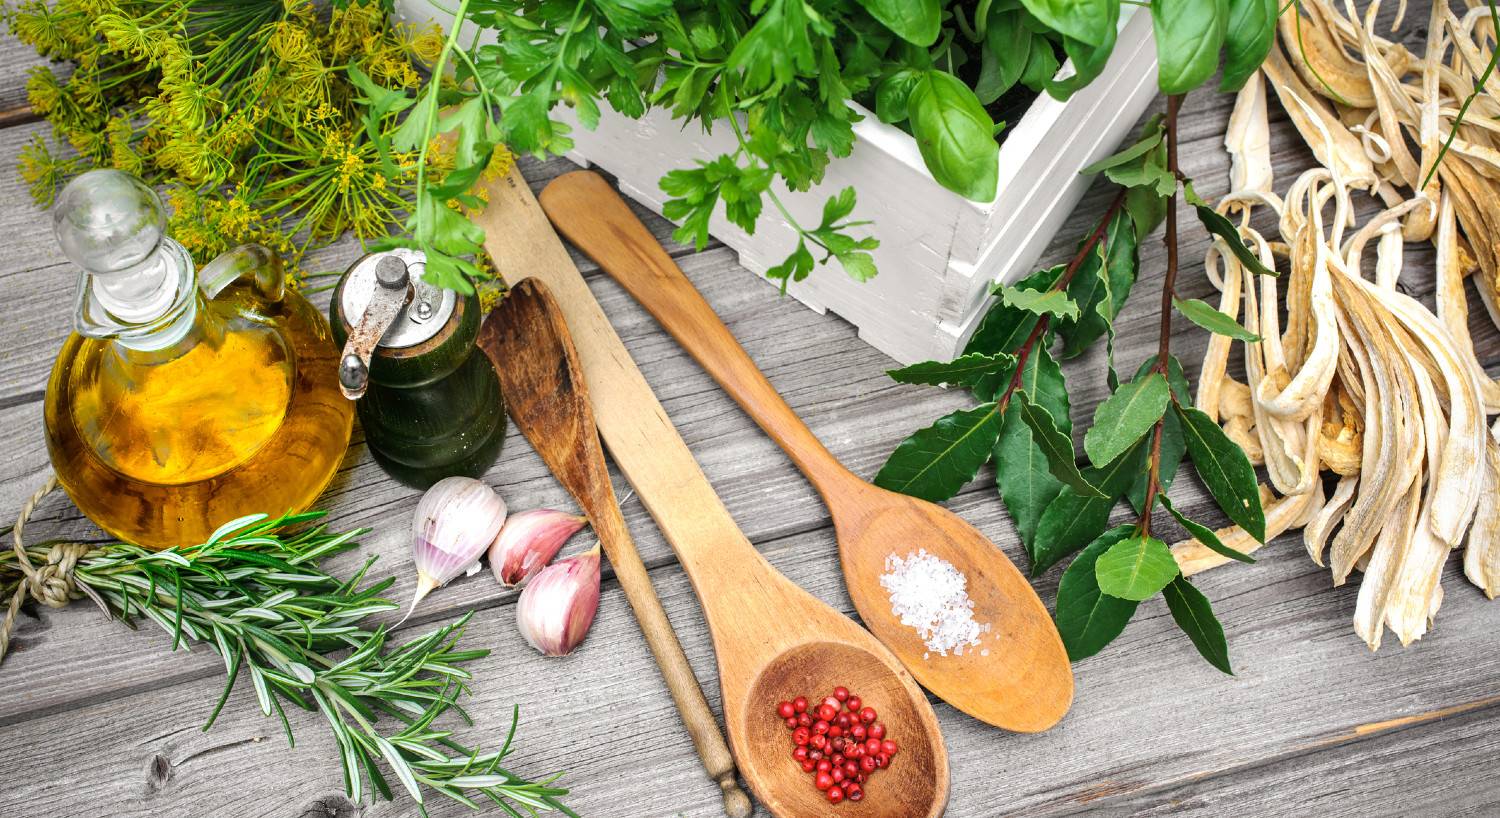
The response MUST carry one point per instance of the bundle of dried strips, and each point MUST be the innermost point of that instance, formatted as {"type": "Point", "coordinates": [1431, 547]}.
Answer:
{"type": "Point", "coordinates": [1365, 381]}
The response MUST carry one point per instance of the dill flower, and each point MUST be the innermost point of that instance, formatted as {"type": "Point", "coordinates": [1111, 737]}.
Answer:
{"type": "Point", "coordinates": [43, 90]}
{"type": "Point", "coordinates": [427, 44]}
{"type": "Point", "coordinates": [44, 173]}
{"type": "Point", "coordinates": [41, 28]}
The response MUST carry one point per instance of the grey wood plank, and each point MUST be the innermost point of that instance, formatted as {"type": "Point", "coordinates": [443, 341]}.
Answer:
{"type": "Point", "coordinates": [1438, 767]}
{"type": "Point", "coordinates": [1303, 681]}
{"type": "Point", "coordinates": [17, 60]}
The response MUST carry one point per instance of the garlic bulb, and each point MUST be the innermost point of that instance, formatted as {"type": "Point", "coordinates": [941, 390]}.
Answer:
{"type": "Point", "coordinates": [558, 605]}
{"type": "Point", "coordinates": [529, 541]}
{"type": "Point", "coordinates": [456, 521]}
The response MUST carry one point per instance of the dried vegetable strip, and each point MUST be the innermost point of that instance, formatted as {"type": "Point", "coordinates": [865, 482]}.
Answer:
{"type": "Point", "coordinates": [1364, 381]}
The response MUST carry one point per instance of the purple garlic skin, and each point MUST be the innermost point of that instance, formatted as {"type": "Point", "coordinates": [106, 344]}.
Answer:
{"type": "Point", "coordinates": [456, 521]}
{"type": "Point", "coordinates": [528, 541]}
{"type": "Point", "coordinates": [558, 605]}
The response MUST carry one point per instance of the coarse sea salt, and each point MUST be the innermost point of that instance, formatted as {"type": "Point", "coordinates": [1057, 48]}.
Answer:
{"type": "Point", "coordinates": [928, 594]}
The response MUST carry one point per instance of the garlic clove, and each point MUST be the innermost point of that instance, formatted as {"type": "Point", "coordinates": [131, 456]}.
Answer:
{"type": "Point", "coordinates": [456, 521]}
{"type": "Point", "coordinates": [528, 541]}
{"type": "Point", "coordinates": [558, 604]}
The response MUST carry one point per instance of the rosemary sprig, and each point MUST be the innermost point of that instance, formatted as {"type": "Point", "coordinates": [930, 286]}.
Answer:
{"type": "Point", "coordinates": [255, 593]}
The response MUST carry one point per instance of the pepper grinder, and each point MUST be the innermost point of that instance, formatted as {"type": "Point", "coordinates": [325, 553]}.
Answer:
{"type": "Point", "coordinates": [430, 408]}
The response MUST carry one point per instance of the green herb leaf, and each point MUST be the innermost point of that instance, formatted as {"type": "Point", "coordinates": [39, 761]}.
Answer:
{"type": "Point", "coordinates": [1152, 134]}
{"type": "Point", "coordinates": [1086, 20]}
{"type": "Point", "coordinates": [1203, 533]}
{"type": "Point", "coordinates": [1049, 302]}
{"type": "Point", "coordinates": [935, 462]}
{"type": "Point", "coordinates": [1026, 484]}
{"type": "Point", "coordinates": [1225, 229]}
{"type": "Point", "coordinates": [1189, 34]}
{"type": "Point", "coordinates": [1195, 616]}
{"type": "Point", "coordinates": [892, 93]}
{"type": "Point", "coordinates": [964, 370]}
{"type": "Point", "coordinates": [1147, 209]}
{"type": "Point", "coordinates": [1089, 59]}
{"type": "Point", "coordinates": [1088, 619]}
{"type": "Point", "coordinates": [1007, 48]}
{"type": "Point", "coordinates": [1004, 328]}
{"type": "Point", "coordinates": [1073, 521]}
{"type": "Point", "coordinates": [1057, 446]}
{"type": "Point", "coordinates": [1248, 38]}
{"type": "Point", "coordinates": [1100, 286]}
{"type": "Point", "coordinates": [1136, 568]}
{"type": "Point", "coordinates": [1224, 469]}
{"type": "Point", "coordinates": [1125, 417]}
{"type": "Point", "coordinates": [955, 135]}
{"type": "Point", "coordinates": [1025, 481]}
{"type": "Point", "coordinates": [1205, 316]}
{"type": "Point", "coordinates": [915, 21]}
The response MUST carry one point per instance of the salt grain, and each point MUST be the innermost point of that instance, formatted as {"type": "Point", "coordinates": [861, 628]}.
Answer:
{"type": "Point", "coordinates": [928, 594]}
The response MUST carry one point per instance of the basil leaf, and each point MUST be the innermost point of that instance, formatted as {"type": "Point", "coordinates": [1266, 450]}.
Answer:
{"type": "Point", "coordinates": [915, 21]}
{"type": "Point", "coordinates": [1041, 64]}
{"type": "Point", "coordinates": [1247, 40]}
{"type": "Point", "coordinates": [1204, 534]}
{"type": "Point", "coordinates": [935, 462]}
{"type": "Point", "coordinates": [1088, 619]}
{"type": "Point", "coordinates": [1048, 302]}
{"type": "Point", "coordinates": [1091, 21]}
{"type": "Point", "coordinates": [1089, 59]}
{"type": "Point", "coordinates": [1207, 317]}
{"type": "Point", "coordinates": [1057, 446]}
{"type": "Point", "coordinates": [1225, 470]}
{"type": "Point", "coordinates": [955, 135]}
{"type": "Point", "coordinates": [964, 370]}
{"type": "Point", "coordinates": [1026, 485]}
{"type": "Point", "coordinates": [1007, 44]}
{"type": "Point", "coordinates": [1225, 229]}
{"type": "Point", "coordinates": [1189, 34]}
{"type": "Point", "coordinates": [1125, 417]}
{"type": "Point", "coordinates": [891, 95]}
{"type": "Point", "coordinates": [1195, 616]}
{"type": "Point", "coordinates": [1136, 568]}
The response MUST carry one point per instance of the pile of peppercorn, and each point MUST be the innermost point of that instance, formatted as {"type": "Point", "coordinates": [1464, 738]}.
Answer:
{"type": "Point", "coordinates": [839, 742]}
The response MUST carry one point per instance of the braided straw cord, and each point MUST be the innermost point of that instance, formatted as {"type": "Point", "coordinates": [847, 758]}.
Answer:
{"type": "Point", "coordinates": [52, 584]}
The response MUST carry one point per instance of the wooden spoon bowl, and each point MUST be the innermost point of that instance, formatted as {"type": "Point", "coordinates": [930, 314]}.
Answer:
{"type": "Point", "coordinates": [1018, 677]}
{"type": "Point", "coordinates": [773, 640]}
{"type": "Point", "coordinates": [908, 787]}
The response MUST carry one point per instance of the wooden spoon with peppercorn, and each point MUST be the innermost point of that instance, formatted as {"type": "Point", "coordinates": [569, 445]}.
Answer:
{"type": "Point", "coordinates": [1017, 676]}
{"type": "Point", "coordinates": [774, 641]}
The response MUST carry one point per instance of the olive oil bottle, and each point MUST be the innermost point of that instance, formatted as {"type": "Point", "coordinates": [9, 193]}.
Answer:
{"type": "Point", "coordinates": [184, 400]}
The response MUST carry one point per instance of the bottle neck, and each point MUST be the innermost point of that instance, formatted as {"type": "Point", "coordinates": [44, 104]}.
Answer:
{"type": "Point", "coordinates": [149, 307]}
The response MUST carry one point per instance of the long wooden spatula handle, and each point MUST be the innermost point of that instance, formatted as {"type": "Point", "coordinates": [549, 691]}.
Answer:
{"type": "Point", "coordinates": [587, 211]}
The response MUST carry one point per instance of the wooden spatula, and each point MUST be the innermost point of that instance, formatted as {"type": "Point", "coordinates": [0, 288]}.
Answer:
{"type": "Point", "coordinates": [774, 641]}
{"type": "Point", "coordinates": [1018, 677]}
{"type": "Point", "coordinates": [527, 341]}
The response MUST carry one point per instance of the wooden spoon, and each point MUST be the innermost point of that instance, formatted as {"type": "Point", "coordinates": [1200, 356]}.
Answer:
{"type": "Point", "coordinates": [1018, 677]}
{"type": "Point", "coordinates": [773, 640]}
{"type": "Point", "coordinates": [527, 341]}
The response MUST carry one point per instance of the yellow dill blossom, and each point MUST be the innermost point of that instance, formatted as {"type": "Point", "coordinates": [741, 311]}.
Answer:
{"type": "Point", "coordinates": [291, 43]}
{"type": "Point", "coordinates": [88, 142]}
{"type": "Point", "coordinates": [189, 103]}
{"type": "Point", "coordinates": [40, 27]}
{"type": "Point", "coordinates": [44, 173]}
{"type": "Point", "coordinates": [122, 153]}
{"type": "Point", "coordinates": [501, 161]}
{"type": "Point", "coordinates": [43, 90]}
{"type": "Point", "coordinates": [427, 44]}
{"type": "Point", "coordinates": [352, 25]}
{"type": "Point", "coordinates": [491, 290]}
{"type": "Point", "coordinates": [126, 36]}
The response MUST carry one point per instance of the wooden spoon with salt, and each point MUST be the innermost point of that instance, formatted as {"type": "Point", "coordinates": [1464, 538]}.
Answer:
{"type": "Point", "coordinates": [1017, 676]}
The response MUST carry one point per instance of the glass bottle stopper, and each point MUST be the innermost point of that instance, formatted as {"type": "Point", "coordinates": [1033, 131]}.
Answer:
{"type": "Point", "coordinates": [112, 225]}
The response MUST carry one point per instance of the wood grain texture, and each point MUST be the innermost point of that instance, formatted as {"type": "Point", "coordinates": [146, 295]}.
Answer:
{"type": "Point", "coordinates": [96, 720]}
{"type": "Point", "coordinates": [528, 343]}
{"type": "Point", "coordinates": [1017, 675]}
{"type": "Point", "coordinates": [773, 641]}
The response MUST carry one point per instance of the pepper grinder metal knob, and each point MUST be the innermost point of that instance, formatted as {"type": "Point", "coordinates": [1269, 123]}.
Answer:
{"type": "Point", "coordinates": [386, 303]}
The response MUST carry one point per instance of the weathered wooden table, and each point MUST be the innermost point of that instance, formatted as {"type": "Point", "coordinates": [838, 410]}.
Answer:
{"type": "Point", "coordinates": [98, 720]}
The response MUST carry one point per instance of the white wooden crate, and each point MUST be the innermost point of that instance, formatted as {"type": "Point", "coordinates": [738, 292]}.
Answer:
{"type": "Point", "coordinates": [939, 252]}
